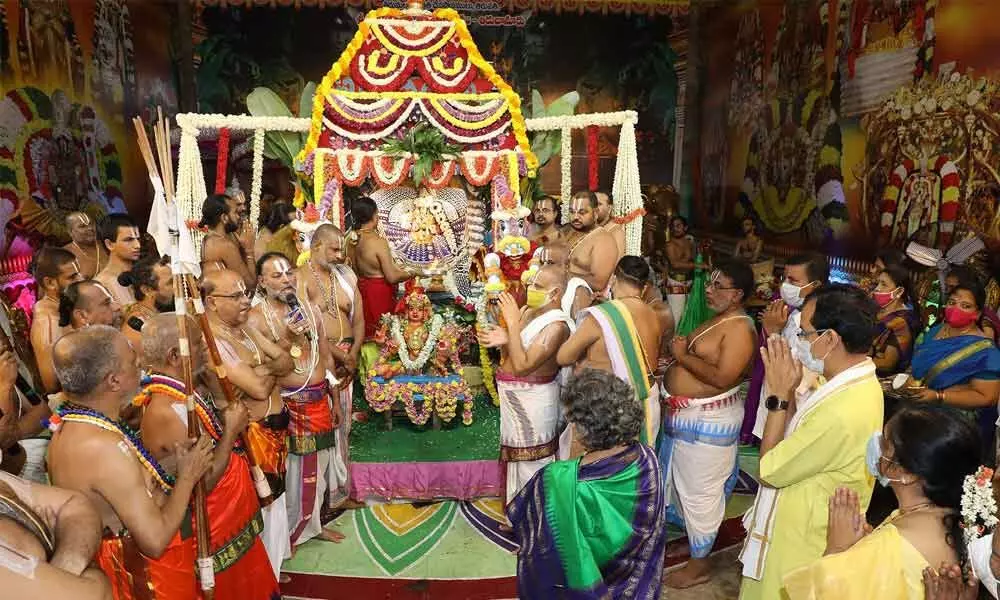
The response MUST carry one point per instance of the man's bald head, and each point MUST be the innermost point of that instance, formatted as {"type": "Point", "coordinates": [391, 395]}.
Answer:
{"type": "Point", "coordinates": [327, 246]}
{"type": "Point", "coordinates": [161, 348]}
{"type": "Point", "coordinates": [551, 277]}
{"type": "Point", "coordinates": [85, 358]}
{"type": "Point", "coordinates": [220, 279]}
{"type": "Point", "coordinates": [81, 228]}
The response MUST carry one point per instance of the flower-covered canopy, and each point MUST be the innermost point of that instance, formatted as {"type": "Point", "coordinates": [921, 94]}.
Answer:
{"type": "Point", "coordinates": [403, 69]}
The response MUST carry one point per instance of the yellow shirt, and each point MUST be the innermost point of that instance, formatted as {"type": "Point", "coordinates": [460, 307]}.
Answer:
{"type": "Point", "coordinates": [825, 451]}
{"type": "Point", "coordinates": [883, 565]}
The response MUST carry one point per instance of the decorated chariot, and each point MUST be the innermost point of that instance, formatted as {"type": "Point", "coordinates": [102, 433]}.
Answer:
{"type": "Point", "coordinates": [414, 117]}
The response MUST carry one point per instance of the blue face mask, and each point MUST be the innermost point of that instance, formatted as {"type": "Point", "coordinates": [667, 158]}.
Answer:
{"type": "Point", "coordinates": [873, 458]}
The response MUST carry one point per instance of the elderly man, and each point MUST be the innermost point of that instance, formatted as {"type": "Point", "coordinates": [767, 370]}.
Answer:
{"type": "Point", "coordinates": [528, 378]}
{"type": "Point", "coordinates": [371, 259]}
{"type": "Point", "coordinates": [331, 288]}
{"type": "Point", "coordinates": [48, 537]}
{"type": "Point", "coordinates": [253, 363]}
{"type": "Point", "coordinates": [621, 337]}
{"type": "Point", "coordinates": [221, 249]}
{"type": "Point", "coordinates": [54, 270]}
{"type": "Point", "coordinates": [704, 414]}
{"type": "Point", "coordinates": [120, 236]}
{"type": "Point", "coordinates": [569, 546]}
{"type": "Point", "coordinates": [142, 506]}
{"type": "Point", "coordinates": [306, 393]}
{"type": "Point", "coordinates": [242, 567]}
{"type": "Point", "coordinates": [813, 444]}
{"type": "Point", "coordinates": [84, 246]}
{"type": "Point", "coordinates": [86, 303]}
{"type": "Point", "coordinates": [592, 252]}
{"type": "Point", "coordinates": [606, 220]}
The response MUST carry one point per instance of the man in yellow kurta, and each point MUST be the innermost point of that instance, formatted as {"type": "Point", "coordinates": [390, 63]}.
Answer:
{"type": "Point", "coordinates": [813, 445]}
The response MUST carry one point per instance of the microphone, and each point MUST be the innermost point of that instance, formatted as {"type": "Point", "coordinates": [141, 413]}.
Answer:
{"type": "Point", "coordinates": [295, 313]}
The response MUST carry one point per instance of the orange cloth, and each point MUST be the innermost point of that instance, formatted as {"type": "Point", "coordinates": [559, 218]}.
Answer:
{"type": "Point", "coordinates": [242, 569]}
{"type": "Point", "coordinates": [136, 577]}
{"type": "Point", "coordinates": [267, 439]}
{"type": "Point", "coordinates": [380, 299]}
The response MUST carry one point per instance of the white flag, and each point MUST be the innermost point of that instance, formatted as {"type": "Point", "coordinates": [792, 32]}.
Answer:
{"type": "Point", "coordinates": [171, 233]}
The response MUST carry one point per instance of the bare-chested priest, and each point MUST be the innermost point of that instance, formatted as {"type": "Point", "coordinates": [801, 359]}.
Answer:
{"type": "Point", "coordinates": [120, 236]}
{"type": "Point", "coordinates": [378, 274]}
{"type": "Point", "coordinates": [330, 286]}
{"type": "Point", "coordinates": [546, 217]}
{"type": "Point", "coordinates": [606, 219]}
{"type": "Point", "coordinates": [528, 379]}
{"type": "Point", "coordinates": [142, 507]}
{"type": "Point", "coordinates": [621, 336]}
{"type": "Point", "coordinates": [704, 407]}
{"type": "Point", "coordinates": [83, 233]}
{"type": "Point", "coordinates": [54, 270]}
{"type": "Point", "coordinates": [297, 329]}
{"type": "Point", "coordinates": [681, 258]}
{"type": "Point", "coordinates": [221, 248]}
{"type": "Point", "coordinates": [85, 303]}
{"type": "Point", "coordinates": [242, 569]}
{"type": "Point", "coordinates": [253, 364]}
{"type": "Point", "coordinates": [592, 253]}
{"type": "Point", "coordinates": [48, 538]}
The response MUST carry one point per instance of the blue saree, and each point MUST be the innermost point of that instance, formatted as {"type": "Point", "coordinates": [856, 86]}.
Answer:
{"type": "Point", "coordinates": [592, 531]}
{"type": "Point", "coordinates": [940, 364]}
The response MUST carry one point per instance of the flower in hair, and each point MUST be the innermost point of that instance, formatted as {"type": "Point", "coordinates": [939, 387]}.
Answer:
{"type": "Point", "coordinates": [979, 509]}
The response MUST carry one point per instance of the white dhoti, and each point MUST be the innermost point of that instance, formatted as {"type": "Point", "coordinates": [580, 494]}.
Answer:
{"type": "Point", "coordinates": [340, 472]}
{"type": "Point", "coordinates": [569, 296]}
{"type": "Point", "coordinates": [307, 482]}
{"type": "Point", "coordinates": [698, 455]}
{"type": "Point", "coordinates": [35, 450]}
{"type": "Point", "coordinates": [529, 426]}
{"type": "Point", "coordinates": [276, 537]}
{"type": "Point", "coordinates": [677, 293]}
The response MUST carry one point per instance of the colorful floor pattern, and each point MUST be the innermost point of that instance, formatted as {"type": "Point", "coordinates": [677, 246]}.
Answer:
{"type": "Point", "coordinates": [446, 550]}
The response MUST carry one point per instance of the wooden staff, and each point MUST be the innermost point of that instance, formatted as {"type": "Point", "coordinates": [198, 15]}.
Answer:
{"type": "Point", "coordinates": [206, 569]}
{"type": "Point", "coordinates": [229, 391]}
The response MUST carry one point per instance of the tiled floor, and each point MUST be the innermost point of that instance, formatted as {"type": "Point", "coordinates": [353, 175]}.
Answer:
{"type": "Point", "coordinates": [725, 584]}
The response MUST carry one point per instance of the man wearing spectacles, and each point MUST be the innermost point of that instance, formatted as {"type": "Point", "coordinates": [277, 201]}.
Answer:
{"type": "Point", "coordinates": [546, 219]}
{"type": "Point", "coordinates": [253, 363]}
{"type": "Point", "coordinates": [704, 406]}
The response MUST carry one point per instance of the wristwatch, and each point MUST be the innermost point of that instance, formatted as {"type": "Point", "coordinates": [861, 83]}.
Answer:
{"type": "Point", "coordinates": [773, 404]}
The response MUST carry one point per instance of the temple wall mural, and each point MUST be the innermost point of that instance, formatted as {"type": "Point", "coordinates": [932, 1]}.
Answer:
{"type": "Point", "coordinates": [71, 72]}
{"type": "Point", "coordinates": [839, 125]}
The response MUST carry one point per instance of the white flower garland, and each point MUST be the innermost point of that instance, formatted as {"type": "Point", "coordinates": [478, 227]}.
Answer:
{"type": "Point", "coordinates": [979, 509]}
{"type": "Point", "coordinates": [258, 173]}
{"type": "Point", "coordinates": [566, 163]}
{"type": "Point", "coordinates": [625, 189]}
{"type": "Point", "coordinates": [417, 364]}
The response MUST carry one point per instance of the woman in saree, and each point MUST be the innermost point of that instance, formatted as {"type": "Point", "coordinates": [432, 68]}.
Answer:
{"type": "Point", "coordinates": [893, 346]}
{"type": "Point", "coordinates": [595, 526]}
{"type": "Point", "coordinates": [957, 362]}
{"type": "Point", "coordinates": [924, 454]}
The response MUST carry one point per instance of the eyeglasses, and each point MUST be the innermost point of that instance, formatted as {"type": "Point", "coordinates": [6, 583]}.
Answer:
{"type": "Point", "coordinates": [803, 334]}
{"type": "Point", "coordinates": [715, 285]}
{"type": "Point", "coordinates": [233, 296]}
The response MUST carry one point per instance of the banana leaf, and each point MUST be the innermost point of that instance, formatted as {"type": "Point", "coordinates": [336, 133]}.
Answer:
{"type": "Point", "coordinates": [278, 145]}
{"type": "Point", "coordinates": [696, 310]}
{"type": "Point", "coordinates": [306, 100]}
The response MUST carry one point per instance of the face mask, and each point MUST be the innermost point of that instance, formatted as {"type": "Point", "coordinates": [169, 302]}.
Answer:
{"type": "Point", "coordinates": [958, 318]}
{"type": "Point", "coordinates": [791, 295]}
{"type": "Point", "coordinates": [873, 458]}
{"type": "Point", "coordinates": [537, 298]}
{"type": "Point", "coordinates": [883, 299]}
{"type": "Point", "coordinates": [803, 352]}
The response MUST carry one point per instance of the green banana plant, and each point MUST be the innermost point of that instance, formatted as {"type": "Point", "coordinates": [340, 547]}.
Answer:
{"type": "Point", "coordinates": [283, 146]}
{"type": "Point", "coordinates": [546, 144]}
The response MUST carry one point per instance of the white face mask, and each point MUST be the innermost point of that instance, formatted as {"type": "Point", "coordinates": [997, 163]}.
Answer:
{"type": "Point", "coordinates": [803, 352]}
{"type": "Point", "coordinates": [791, 295]}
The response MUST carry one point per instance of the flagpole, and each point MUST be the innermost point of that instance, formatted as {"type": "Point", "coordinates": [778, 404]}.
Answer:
{"type": "Point", "coordinates": [206, 570]}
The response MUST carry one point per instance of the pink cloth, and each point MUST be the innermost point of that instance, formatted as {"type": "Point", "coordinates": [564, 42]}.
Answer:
{"type": "Point", "coordinates": [462, 480]}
